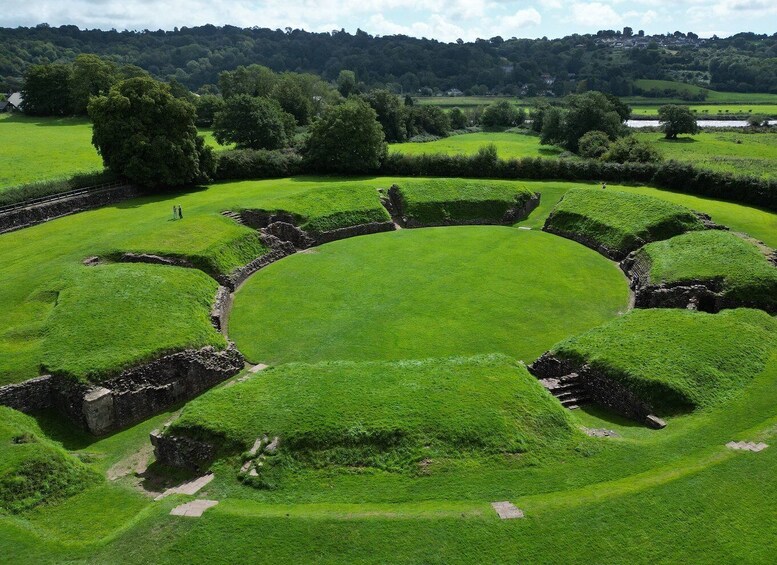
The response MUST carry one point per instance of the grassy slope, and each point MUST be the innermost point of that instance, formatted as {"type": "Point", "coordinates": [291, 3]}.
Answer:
{"type": "Point", "coordinates": [441, 200]}
{"type": "Point", "coordinates": [332, 206]}
{"type": "Point", "coordinates": [114, 316]}
{"type": "Point", "coordinates": [679, 358]}
{"type": "Point", "coordinates": [713, 96]}
{"type": "Point", "coordinates": [712, 255]}
{"type": "Point", "coordinates": [729, 152]}
{"type": "Point", "coordinates": [386, 415]}
{"type": "Point", "coordinates": [433, 292]}
{"type": "Point", "coordinates": [620, 220]}
{"type": "Point", "coordinates": [32, 469]}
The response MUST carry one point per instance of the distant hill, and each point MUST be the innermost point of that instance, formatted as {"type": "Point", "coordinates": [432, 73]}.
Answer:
{"type": "Point", "coordinates": [609, 61]}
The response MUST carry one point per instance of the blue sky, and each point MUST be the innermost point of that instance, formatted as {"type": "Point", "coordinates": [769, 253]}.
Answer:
{"type": "Point", "coordinates": [444, 20]}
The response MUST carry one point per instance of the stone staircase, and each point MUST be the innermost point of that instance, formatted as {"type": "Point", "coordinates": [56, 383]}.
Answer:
{"type": "Point", "coordinates": [233, 216]}
{"type": "Point", "coordinates": [569, 389]}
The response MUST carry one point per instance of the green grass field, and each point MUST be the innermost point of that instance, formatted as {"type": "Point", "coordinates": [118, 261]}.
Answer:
{"type": "Point", "coordinates": [619, 222]}
{"type": "Point", "coordinates": [508, 145]}
{"type": "Point", "coordinates": [648, 496]}
{"type": "Point", "coordinates": [40, 149]}
{"type": "Point", "coordinates": [728, 152]}
{"type": "Point", "coordinates": [712, 111]}
{"type": "Point", "coordinates": [425, 293]}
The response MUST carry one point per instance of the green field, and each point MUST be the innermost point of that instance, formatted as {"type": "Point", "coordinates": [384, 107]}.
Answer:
{"type": "Point", "coordinates": [38, 149]}
{"type": "Point", "coordinates": [711, 111]}
{"type": "Point", "coordinates": [729, 152]}
{"type": "Point", "coordinates": [434, 292]}
{"type": "Point", "coordinates": [713, 96]}
{"type": "Point", "coordinates": [508, 145]}
{"type": "Point", "coordinates": [387, 460]}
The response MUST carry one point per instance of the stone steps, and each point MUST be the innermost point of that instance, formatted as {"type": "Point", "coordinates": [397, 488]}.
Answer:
{"type": "Point", "coordinates": [568, 389]}
{"type": "Point", "coordinates": [233, 216]}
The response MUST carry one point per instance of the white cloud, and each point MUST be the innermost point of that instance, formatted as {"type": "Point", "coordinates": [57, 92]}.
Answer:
{"type": "Point", "coordinates": [520, 19]}
{"type": "Point", "coordinates": [595, 14]}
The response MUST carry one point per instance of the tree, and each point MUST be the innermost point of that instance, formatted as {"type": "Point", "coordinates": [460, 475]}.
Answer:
{"type": "Point", "coordinates": [630, 150]}
{"type": "Point", "coordinates": [347, 139]}
{"type": "Point", "coordinates": [207, 106]}
{"type": "Point", "coordinates": [676, 119]}
{"type": "Point", "coordinates": [458, 118]}
{"type": "Point", "coordinates": [552, 126]}
{"type": "Point", "coordinates": [502, 114]}
{"type": "Point", "coordinates": [428, 119]}
{"type": "Point", "coordinates": [593, 144]}
{"type": "Point", "coordinates": [587, 112]}
{"type": "Point", "coordinates": [391, 114]}
{"type": "Point", "coordinates": [346, 83]}
{"type": "Point", "coordinates": [253, 122]}
{"type": "Point", "coordinates": [293, 100]}
{"type": "Point", "coordinates": [146, 135]}
{"type": "Point", "coordinates": [46, 90]}
{"type": "Point", "coordinates": [92, 76]}
{"type": "Point", "coordinates": [253, 80]}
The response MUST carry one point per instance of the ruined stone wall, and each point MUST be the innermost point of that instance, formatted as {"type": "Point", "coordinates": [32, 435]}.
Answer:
{"type": "Point", "coordinates": [351, 231]}
{"type": "Point", "coordinates": [137, 393]}
{"type": "Point", "coordinates": [31, 395]}
{"type": "Point", "coordinates": [182, 452]}
{"type": "Point", "coordinates": [25, 215]}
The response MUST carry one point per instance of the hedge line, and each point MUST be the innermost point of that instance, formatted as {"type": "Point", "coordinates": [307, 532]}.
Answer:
{"type": "Point", "coordinates": [671, 175]}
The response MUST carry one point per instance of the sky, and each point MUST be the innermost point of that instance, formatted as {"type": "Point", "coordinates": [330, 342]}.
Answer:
{"type": "Point", "coordinates": [444, 20]}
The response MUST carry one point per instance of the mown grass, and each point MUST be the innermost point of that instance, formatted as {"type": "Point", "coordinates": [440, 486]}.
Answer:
{"type": "Point", "coordinates": [434, 292]}
{"type": "Point", "coordinates": [33, 470]}
{"type": "Point", "coordinates": [35, 261]}
{"type": "Point", "coordinates": [678, 359]}
{"type": "Point", "coordinates": [113, 316]}
{"type": "Point", "coordinates": [747, 277]}
{"type": "Point", "coordinates": [712, 96]}
{"type": "Point", "coordinates": [439, 201]}
{"type": "Point", "coordinates": [508, 145]}
{"type": "Point", "coordinates": [619, 221]}
{"type": "Point", "coordinates": [392, 417]}
{"type": "Point", "coordinates": [730, 152]}
{"type": "Point", "coordinates": [712, 111]}
{"type": "Point", "coordinates": [41, 149]}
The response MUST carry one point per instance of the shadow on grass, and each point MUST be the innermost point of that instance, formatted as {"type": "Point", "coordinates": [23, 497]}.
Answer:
{"type": "Point", "coordinates": [678, 140]}
{"type": "Point", "coordinates": [609, 416]}
{"type": "Point", "coordinates": [45, 121]}
{"type": "Point", "coordinates": [150, 197]}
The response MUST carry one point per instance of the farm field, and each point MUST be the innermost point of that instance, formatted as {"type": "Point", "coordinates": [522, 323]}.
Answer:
{"type": "Point", "coordinates": [39, 149]}
{"type": "Point", "coordinates": [361, 308]}
{"type": "Point", "coordinates": [711, 111]}
{"type": "Point", "coordinates": [730, 152]}
{"type": "Point", "coordinates": [508, 145]}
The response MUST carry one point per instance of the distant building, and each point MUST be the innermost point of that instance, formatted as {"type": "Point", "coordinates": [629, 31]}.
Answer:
{"type": "Point", "coordinates": [3, 106]}
{"type": "Point", "coordinates": [15, 102]}
{"type": "Point", "coordinates": [454, 92]}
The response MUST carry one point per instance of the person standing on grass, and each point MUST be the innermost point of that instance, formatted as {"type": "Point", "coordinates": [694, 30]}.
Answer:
{"type": "Point", "coordinates": [604, 185]}
{"type": "Point", "coordinates": [180, 213]}
{"type": "Point", "coordinates": [175, 212]}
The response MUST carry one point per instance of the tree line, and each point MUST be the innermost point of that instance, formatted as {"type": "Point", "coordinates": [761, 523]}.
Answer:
{"type": "Point", "coordinates": [196, 56]}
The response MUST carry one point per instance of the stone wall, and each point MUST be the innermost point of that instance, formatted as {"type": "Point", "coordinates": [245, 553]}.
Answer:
{"type": "Point", "coordinates": [182, 452]}
{"type": "Point", "coordinates": [220, 311]}
{"type": "Point", "coordinates": [29, 214]}
{"type": "Point", "coordinates": [31, 395]}
{"type": "Point", "coordinates": [352, 231]}
{"type": "Point", "coordinates": [704, 295]}
{"type": "Point", "coordinates": [137, 393]}
{"type": "Point", "coordinates": [611, 254]}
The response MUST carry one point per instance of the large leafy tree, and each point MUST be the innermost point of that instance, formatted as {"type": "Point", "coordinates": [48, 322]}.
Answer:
{"type": "Point", "coordinates": [347, 139]}
{"type": "Point", "coordinates": [676, 120]}
{"type": "Point", "coordinates": [148, 136]}
{"type": "Point", "coordinates": [253, 122]}
{"type": "Point", "coordinates": [590, 111]}
{"type": "Point", "coordinates": [288, 92]}
{"type": "Point", "coordinates": [391, 114]}
{"type": "Point", "coordinates": [92, 76]}
{"type": "Point", "coordinates": [46, 89]}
